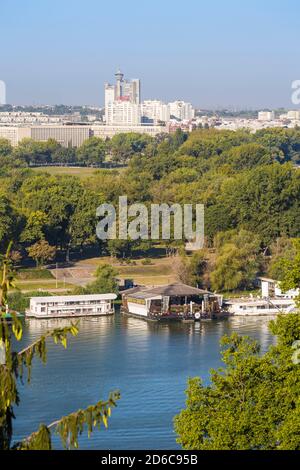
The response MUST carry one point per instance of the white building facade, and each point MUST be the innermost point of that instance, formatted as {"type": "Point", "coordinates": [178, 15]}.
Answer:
{"type": "Point", "coordinates": [122, 101]}
{"type": "Point", "coordinates": [14, 134]}
{"type": "Point", "coordinates": [181, 110]}
{"type": "Point", "coordinates": [155, 111]}
{"type": "Point", "coordinates": [266, 116]}
{"type": "Point", "coordinates": [104, 132]}
{"type": "Point", "coordinates": [121, 113]}
{"type": "Point", "coordinates": [71, 306]}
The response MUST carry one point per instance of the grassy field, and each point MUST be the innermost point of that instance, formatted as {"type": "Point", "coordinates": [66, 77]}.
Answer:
{"type": "Point", "coordinates": [158, 273]}
{"type": "Point", "coordinates": [37, 284]}
{"type": "Point", "coordinates": [81, 172]}
{"type": "Point", "coordinates": [26, 274]}
{"type": "Point", "coordinates": [63, 170]}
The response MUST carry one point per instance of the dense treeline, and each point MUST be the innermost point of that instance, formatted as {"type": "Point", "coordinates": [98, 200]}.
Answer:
{"type": "Point", "coordinates": [93, 152]}
{"type": "Point", "coordinates": [211, 148]}
{"type": "Point", "coordinates": [249, 183]}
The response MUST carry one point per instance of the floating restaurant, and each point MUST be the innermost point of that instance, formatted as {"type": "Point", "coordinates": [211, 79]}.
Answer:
{"type": "Point", "coordinates": [71, 306]}
{"type": "Point", "coordinates": [171, 302]}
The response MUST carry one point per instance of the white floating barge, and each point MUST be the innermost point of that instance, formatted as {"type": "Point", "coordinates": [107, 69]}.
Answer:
{"type": "Point", "coordinates": [69, 306]}
{"type": "Point", "coordinates": [259, 307]}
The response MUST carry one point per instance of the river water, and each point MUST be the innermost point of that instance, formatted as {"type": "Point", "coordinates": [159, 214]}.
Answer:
{"type": "Point", "coordinates": [149, 363]}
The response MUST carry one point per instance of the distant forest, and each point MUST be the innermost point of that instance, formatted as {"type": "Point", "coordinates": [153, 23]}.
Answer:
{"type": "Point", "coordinates": [249, 184]}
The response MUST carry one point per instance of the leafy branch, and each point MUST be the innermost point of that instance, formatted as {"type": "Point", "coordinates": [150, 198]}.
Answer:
{"type": "Point", "coordinates": [59, 335]}
{"type": "Point", "coordinates": [12, 366]}
{"type": "Point", "coordinates": [70, 427]}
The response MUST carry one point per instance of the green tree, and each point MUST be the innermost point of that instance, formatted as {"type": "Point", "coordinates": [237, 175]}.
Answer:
{"type": "Point", "coordinates": [56, 196]}
{"type": "Point", "coordinates": [198, 267]}
{"type": "Point", "coordinates": [92, 151]}
{"type": "Point", "coordinates": [8, 221]}
{"type": "Point", "coordinates": [190, 269]}
{"type": "Point", "coordinates": [82, 226]}
{"type": "Point", "coordinates": [106, 281]}
{"type": "Point", "coordinates": [252, 402]}
{"type": "Point", "coordinates": [237, 262]}
{"type": "Point", "coordinates": [247, 156]}
{"type": "Point", "coordinates": [64, 155]}
{"type": "Point", "coordinates": [290, 270]}
{"type": "Point", "coordinates": [120, 248]}
{"type": "Point", "coordinates": [123, 146]}
{"type": "Point", "coordinates": [36, 152]}
{"type": "Point", "coordinates": [35, 227]}
{"type": "Point", "coordinates": [41, 252]}
{"type": "Point", "coordinates": [5, 148]}
{"type": "Point", "coordinates": [282, 248]}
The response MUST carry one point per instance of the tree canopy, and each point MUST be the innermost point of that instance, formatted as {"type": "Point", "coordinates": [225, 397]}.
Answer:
{"type": "Point", "coordinates": [252, 402]}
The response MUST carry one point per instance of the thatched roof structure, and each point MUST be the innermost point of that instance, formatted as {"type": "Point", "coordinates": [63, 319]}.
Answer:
{"type": "Point", "coordinates": [177, 290]}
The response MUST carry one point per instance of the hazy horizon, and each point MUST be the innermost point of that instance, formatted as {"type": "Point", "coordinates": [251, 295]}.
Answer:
{"type": "Point", "coordinates": [218, 55]}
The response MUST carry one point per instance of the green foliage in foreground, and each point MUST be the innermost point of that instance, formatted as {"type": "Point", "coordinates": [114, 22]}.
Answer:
{"type": "Point", "coordinates": [13, 365]}
{"type": "Point", "coordinates": [253, 401]}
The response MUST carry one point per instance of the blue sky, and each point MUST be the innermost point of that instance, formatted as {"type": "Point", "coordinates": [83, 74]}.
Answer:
{"type": "Point", "coordinates": [213, 53]}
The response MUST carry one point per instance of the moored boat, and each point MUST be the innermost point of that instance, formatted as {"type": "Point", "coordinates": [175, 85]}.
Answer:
{"type": "Point", "coordinates": [69, 306]}
{"type": "Point", "coordinates": [171, 302]}
{"type": "Point", "coordinates": [259, 307]}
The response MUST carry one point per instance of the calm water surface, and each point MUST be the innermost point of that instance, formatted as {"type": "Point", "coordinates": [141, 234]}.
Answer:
{"type": "Point", "coordinates": [149, 363]}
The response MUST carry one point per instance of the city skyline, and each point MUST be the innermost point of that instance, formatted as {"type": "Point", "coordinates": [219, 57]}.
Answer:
{"type": "Point", "coordinates": [212, 55]}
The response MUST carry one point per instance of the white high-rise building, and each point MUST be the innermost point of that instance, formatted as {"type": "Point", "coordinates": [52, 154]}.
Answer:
{"type": "Point", "coordinates": [123, 105]}
{"type": "Point", "coordinates": [181, 110]}
{"type": "Point", "coordinates": [120, 113]}
{"type": "Point", "coordinates": [293, 115]}
{"type": "Point", "coordinates": [122, 101]}
{"type": "Point", "coordinates": [128, 90]}
{"type": "Point", "coordinates": [155, 111]}
{"type": "Point", "coordinates": [266, 116]}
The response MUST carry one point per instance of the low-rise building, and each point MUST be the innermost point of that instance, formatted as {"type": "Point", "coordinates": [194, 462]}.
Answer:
{"type": "Point", "coordinates": [109, 131]}
{"type": "Point", "coordinates": [266, 116]}
{"type": "Point", "coordinates": [67, 136]}
{"type": "Point", "coordinates": [71, 306]}
{"type": "Point", "coordinates": [14, 134]}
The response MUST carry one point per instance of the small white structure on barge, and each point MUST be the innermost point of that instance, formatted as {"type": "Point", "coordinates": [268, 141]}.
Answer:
{"type": "Point", "coordinates": [259, 307]}
{"type": "Point", "coordinates": [273, 301]}
{"type": "Point", "coordinates": [71, 306]}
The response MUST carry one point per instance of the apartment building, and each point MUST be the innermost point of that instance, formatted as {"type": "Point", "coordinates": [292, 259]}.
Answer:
{"type": "Point", "coordinates": [123, 113]}
{"type": "Point", "coordinates": [14, 134]}
{"type": "Point", "coordinates": [155, 111]}
{"type": "Point", "coordinates": [67, 136]}
{"type": "Point", "coordinates": [181, 110]}
{"type": "Point", "coordinates": [266, 116]}
{"type": "Point", "coordinates": [109, 131]}
{"type": "Point", "coordinates": [122, 101]}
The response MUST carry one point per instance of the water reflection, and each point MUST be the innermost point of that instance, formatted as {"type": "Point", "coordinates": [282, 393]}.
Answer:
{"type": "Point", "coordinates": [148, 362]}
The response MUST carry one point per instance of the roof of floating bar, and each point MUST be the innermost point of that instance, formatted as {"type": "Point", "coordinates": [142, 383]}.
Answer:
{"type": "Point", "coordinates": [171, 290]}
